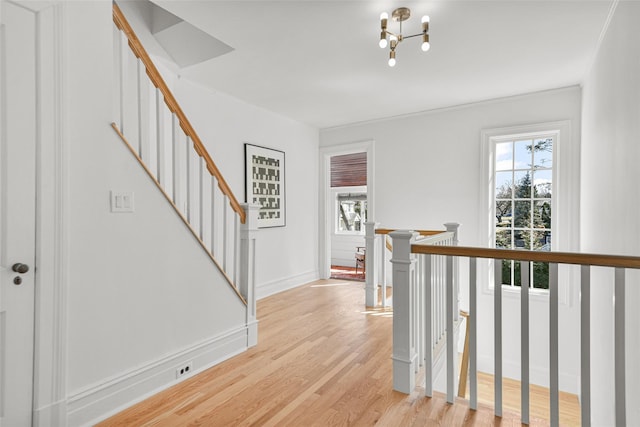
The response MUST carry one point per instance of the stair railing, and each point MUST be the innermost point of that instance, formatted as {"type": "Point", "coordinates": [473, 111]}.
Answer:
{"type": "Point", "coordinates": [378, 250]}
{"type": "Point", "coordinates": [405, 354]}
{"type": "Point", "coordinates": [158, 133]}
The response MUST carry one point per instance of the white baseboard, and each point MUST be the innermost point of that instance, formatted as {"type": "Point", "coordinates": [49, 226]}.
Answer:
{"type": "Point", "coordinates": [107, 398]}
{"type": "Point", "coordinates": [53, 415]}
{"type": "Point", "coordinates": [270, 288]}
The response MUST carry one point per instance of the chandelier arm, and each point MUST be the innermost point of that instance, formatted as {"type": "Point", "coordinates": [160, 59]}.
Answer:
{"type": "Point", "coordinates": [415, 35]}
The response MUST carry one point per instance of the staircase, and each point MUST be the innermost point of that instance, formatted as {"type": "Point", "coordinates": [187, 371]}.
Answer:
{"type": "Point", "coordinates": [160, 137]}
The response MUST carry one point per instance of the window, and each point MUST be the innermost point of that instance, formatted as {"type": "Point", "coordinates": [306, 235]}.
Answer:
{"type": "Point", "coordinates": [351, 213]}
{"type": "Point", "coordinates": [523, 177]}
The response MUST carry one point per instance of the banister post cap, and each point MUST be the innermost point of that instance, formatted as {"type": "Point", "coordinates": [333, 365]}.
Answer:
{"type": "Point", "coordinates": [251, 210]}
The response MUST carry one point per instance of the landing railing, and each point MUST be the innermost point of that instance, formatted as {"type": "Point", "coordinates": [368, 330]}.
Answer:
{"type": "Point", "coordinates": [404, 352]}
{"type": "Point", "coordinates": [412, 342]}
{"type": "Point", "coordinates": [159, 134]}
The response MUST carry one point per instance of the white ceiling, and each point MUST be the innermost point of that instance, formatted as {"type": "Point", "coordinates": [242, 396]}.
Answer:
{"type": "Point", "coordinates": [318, 62]}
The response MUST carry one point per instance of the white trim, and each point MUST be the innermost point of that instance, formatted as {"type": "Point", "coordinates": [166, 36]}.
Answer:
{"type": "Point", "coordinates": [325, 202]}
{"type": "Point", "coordinates": [99, 401]}
{"type": "Point", "coordinates": [50, 357]}
{"type": "Point", "coordinates": [279, 285]}
{"type": "Point", "coordinates": [565, 202]}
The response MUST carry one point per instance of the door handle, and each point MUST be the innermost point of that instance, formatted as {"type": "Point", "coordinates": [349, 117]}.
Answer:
{"type": "Point", "coordinates": [20, 268]}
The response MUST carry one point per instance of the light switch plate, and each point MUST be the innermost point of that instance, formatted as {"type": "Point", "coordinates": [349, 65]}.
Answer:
{"type": "Point", "coordinates": [121, 201]}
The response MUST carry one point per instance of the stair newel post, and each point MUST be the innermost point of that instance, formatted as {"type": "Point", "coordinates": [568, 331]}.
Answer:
{"type": "Point", "coordinates": [247, 282]}
{"type": "Point", "coordinates": [404, 352]}
{"type": "Point", "coordinates": [452, 227]}
{"type": "Point", "coordinates": [371, 272]}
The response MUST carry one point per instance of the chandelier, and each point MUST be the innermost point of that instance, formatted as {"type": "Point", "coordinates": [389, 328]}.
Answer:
{"type": "Point", "coordinates": [388, 38]}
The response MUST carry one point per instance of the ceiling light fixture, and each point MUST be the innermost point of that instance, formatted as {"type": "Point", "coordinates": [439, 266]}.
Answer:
{"type": "Point", "coordinates": [388, 38]}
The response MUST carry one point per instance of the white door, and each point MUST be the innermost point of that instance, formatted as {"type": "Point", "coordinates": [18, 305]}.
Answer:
{"type": "Point", "coordinates": [17, 212]}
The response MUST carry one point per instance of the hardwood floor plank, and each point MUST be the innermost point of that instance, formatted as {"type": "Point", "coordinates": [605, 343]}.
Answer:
{"type": "Point", "coordinates": [322, 360]}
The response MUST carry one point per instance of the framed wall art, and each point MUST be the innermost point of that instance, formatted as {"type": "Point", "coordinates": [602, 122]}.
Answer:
{"type": "Point", "coordinates": [264, 184]}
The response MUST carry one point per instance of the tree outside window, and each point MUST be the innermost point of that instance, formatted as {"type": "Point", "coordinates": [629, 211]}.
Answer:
{"type": "Point", "coordinates": [523, 177]}
{"type": "Point", "coordinates": [352, 213]}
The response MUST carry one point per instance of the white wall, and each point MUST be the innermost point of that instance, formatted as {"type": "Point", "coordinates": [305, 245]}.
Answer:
{"type": "Point", "coordinates": [286, 256]}
{"type": "Point", "coordinates": [427, 172]}
{"type": "Point", "coordinates": [610, 201]}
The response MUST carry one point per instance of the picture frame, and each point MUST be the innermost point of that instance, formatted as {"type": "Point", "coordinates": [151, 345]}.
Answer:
{"type": "Point", "coordinates": [265, 184]}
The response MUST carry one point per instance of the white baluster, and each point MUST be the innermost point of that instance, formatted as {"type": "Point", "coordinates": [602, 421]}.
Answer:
{"type": "Point", "coordinates": [383, 269]}
{"type": "Point", "coordinates": [497, 328]}
{"type": "Point", "coordinates": [130, 100]}
{"type": "Point", "coordinates": [428, 326]}
{"type": "Point", "coordinates": [451, 352]}
{"type": "Point", "coordinates": [371, 274]}
{"type": "Point", "coordinates": [143, 112]}
{"type": "Point", "coordinates": [119, 43]}
{"type": "Point", "coordinates": [585, 346]}
{"type": "Point", "coordinates": [161, 157]}
{"type": "Point", "coordinates": [236, 246]}
{"type": "Point", "coordinates": [190, 181]}
{"type": "Point", "coordinates": [176, 171]}
{"type": "Point", "coordinates": [619, 352]}
{"type": "Point", "coordinates": [524, 341]}
{"type": "Point", "coordinates": [202, 174]}
{"type": "Point", "coordinates": [553, 346]}
{"type": "Point", "coordinates": [225, 232]}
{"type": "Point", "coordinates": [215, 192]}
{"type": "Point", "coordinates": [473, 335]}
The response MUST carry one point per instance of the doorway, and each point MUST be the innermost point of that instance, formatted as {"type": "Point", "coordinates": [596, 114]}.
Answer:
{"type": "Point", "coordinates": [346, 203]}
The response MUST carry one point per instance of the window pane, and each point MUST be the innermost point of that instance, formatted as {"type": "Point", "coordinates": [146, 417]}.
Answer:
{"type": "Point", "coordinates": [542, 184]}
{"type": "Point", "coordinates": [541, 275]}
{"type": "Point", "coordinates": [522, 187]}
{"type": "Point", "coordinates": [543, 153]}
{"type": "Point", "coordinates": [522, 239]}
{"type": "Point", "coordinates": [541, 240]}
{"type": "Point", "coordinates": [523, 157]}
{"type": "Point", "coordinates": [522, 214]}
{"type": "Point", "coordinates": [352, 214]}
{"type": "Point", "coordinates": [503, 239]}
{"type": "Point", "coordinates": [504, 215]}
{"type": "Point", "coordinates": [504, 185]}
{"type": "Point", "coordinates": [504, 156]}
{"type": "Point", "coordinates": [542, 214]}
{"type": "Point", "coordinates": [506, 272]}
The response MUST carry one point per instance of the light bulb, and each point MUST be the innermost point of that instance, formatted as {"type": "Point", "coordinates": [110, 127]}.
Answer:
{"type": "Point", "coordinates": [425, 18]}
{"type": "Point", "coordinates": [384, 15]}
{"type": "Point", "coordinates": [425, 43]}
{"type": "Point", "coordinates": [383, 43]}
{"type": "Point", "coordinates": [392, 62]}
{"type": "Point", "coordinates": [393, 38]}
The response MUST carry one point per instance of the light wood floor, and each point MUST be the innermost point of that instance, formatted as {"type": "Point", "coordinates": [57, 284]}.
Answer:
{"type": "Point", "coordinates": [322, 360]}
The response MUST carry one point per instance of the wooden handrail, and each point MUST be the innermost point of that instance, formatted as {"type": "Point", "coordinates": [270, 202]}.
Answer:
{"type": "Point", "coordinates": [421, 232]}
{"type": "Point", "coordinates": [536, 256]}
{"type": "Point", "coordinates": [157, 80]}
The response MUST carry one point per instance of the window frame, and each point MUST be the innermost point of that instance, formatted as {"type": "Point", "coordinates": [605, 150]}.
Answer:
{"type": "Point", "coordinates": [565, 199]}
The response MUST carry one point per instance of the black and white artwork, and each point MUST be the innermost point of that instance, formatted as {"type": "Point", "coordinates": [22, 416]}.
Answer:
{"type": "Point", "coordinates": [264, 172]}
